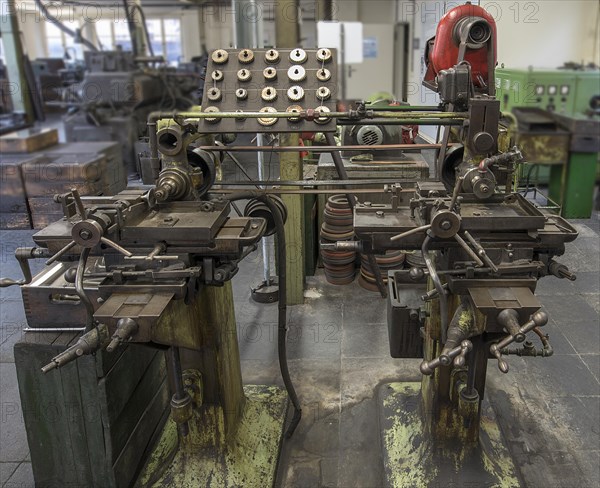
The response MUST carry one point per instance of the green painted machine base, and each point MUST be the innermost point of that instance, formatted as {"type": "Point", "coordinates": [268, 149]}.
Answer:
{"type": "Point", "coordinates": [412, 460]}
{"type": "Point", "coordinates": [248, 457]}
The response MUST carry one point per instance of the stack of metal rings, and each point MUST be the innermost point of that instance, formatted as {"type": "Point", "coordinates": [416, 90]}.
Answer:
{"type": "Point", "coordinates": [414, 259]}
{"type": "Point", "coordinates": [385, 262]}
{"type": "Point", "coordinates": [337, 226]}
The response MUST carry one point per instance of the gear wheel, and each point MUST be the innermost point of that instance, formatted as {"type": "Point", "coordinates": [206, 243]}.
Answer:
{"type": "Point", "coordinates": [295, 93]}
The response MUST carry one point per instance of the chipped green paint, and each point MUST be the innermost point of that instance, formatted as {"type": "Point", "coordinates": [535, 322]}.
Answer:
{"type": "Point", "coordinates": [207, 457]}
{"type": "Point", "coordinates": [414, 459]}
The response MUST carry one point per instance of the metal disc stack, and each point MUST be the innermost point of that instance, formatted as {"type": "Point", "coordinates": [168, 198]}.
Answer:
{"type": "Point", "coordinates": [337, 226]}
{"type": "Point", "coordinates": [386, 262]}
{"type": "Point", "coordinates": [414, 259]}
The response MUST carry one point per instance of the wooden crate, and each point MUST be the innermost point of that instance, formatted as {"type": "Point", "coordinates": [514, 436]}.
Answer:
{"type": "Point", "coordinates": [91, 422]}
{"type": "Point", "coordinates": [28, 140]}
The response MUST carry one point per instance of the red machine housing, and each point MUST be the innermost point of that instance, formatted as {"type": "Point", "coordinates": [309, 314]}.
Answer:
{"type": "Point", "coordinates": [443, 49]}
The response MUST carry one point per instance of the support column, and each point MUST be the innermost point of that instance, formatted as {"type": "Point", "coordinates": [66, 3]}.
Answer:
{"type": "Point", "coordinates": [290, 164]}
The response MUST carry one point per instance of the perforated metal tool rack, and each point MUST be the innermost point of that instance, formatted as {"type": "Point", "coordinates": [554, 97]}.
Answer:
{"type": "Point", "coordinates": [270, 80]}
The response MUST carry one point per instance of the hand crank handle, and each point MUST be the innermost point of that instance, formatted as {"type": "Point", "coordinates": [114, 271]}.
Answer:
{"type": "Point", "coordinates": [458, 354]}
{"type": "Point", "coordinates": [538, 319]}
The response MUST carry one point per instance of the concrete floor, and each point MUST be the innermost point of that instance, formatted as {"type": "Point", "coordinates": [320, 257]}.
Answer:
{"type": "Point", "coordinates": [548, 409]}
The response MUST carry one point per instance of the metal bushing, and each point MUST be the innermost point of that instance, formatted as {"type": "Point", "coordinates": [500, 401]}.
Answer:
{"type": "Point", "coordinates": [87, 233]}
{"type": "Point", "coordinates": [267, 121]}
{"type": "Point", "coordinates": [211, 110]}
{"type": "Point", "coordinates": [323, 74]}
{"type": "Point", "coordinates": [296, 73]}
{"type": "Point", "coordinates": [445, 224]}
{"type": "Point", "coordinates": [323, 93]}
{"type": "Point", "coordinates": [240, 119]}
{"type": "Point", "coordinates": [298, 56]}
{"type": "Point", "coordinates": [244, 74]}
{"type": "Point", "coordinates": [270, 73]}
{"type": "Point", "coordinates": [294, 109]}
{"type": "Point", "coordinates": [483, 188]}
{"type": "Point", "coordinates": [483, 142]}
{"type": "Point", "coordinates": [220, 56]}
{"type": "Point", "coordinates": [272, 56]}
{"type": "Point", "coordinates": [241, 94]}
{"type": "Point", "coordinates": [214, 94]}
{"type": "Point", "coordinates": [295, 93]}
{"type": "Point", "coordinates": [217, 75]}
{"type": "Point", "coordinates": [246, 56]}
{"type": "Point", "coordinates": [324, 55]}
{"type": "Point", "coordinates": [170, 141]}
{"type": "Point", "coordinates": [268, 94]}
{"type": "Point", "coordinates": [322, 118]}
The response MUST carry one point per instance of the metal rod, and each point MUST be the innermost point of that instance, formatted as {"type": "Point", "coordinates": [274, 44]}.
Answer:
{"type": "Point", "coordinates": [299, 191]}
{"type": "Point", "coordinates": [266, 255]}
{"type": "Point", "coordinates": [177, 381]}
{"type": "Point", "coordinates": [409, 117]}
{"type": "Point", "coordinates": [481, 251]}
{"type": "Point", "coordinates": [53, 329]}
{"type": "Point", "coordinates": [468, 250]}
{"type": "Point", "coordinates": [321, 149]}
{"type": "Point", "coordinates": [416, 230]}
{"type": "Point", "coordinates": [438, 286]}
{"type": "Point", "coordinates": [327, 183]}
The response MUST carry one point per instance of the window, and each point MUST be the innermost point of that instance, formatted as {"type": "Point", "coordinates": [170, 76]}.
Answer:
{"type": "Point", "coordinates": [54, 46]}
{"type": "Point", "coordinates": [61, 45]}
{"type": "Point", "coordinates": [155, 34]}
{"type": "Point", "coordinates": [172, 40]}
{"type": "Point", "coordinates": [122, 37]}
{"type": "Point", "coordinates": [164, 33]}
{"type": "Point", "coordinates": [105, 34]}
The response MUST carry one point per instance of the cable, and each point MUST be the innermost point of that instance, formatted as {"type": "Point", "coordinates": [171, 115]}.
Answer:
{"type": "Point", "coordinates": [50, 18]}
{"type": "Point", "coordinates": [282, 316]}
{"type": "Point", "coordinates": [135, 6]}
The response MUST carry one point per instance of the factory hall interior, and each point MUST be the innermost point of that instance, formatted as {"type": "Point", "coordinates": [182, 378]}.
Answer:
{"type": "Point", "coordinates": [299, 244]}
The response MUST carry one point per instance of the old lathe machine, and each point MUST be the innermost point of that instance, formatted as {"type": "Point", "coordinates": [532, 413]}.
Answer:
{"type": "Point", "coordinates": [153, 266]}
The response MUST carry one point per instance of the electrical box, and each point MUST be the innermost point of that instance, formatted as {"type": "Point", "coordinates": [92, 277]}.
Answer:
{"type": "Point", "coordinates": [564, 91]}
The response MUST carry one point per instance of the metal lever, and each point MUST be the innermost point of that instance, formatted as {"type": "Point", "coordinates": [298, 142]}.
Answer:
{"type": "Point", "coordinates": [126, 327]}
{"type": "Point", "coordinates": [115, 246]}
{"type": "Point", "coordinates": [87, 344]}
{"type": "Point", "coordinates": [560, 271]}
{"type": "Point", "coordinates": [458, 354]}
{"type": "Point", "coordinates": [538, 319]}
{"type": "Point", "coordinates": [23, 255]}
{"type": "Point", "coordinates": [156, 254]}
{"type": "Point", "coordinates": [481, 252]}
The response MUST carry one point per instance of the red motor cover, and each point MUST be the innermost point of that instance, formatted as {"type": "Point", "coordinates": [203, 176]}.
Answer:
{"type": "Point", "coordinates": [444, 52]}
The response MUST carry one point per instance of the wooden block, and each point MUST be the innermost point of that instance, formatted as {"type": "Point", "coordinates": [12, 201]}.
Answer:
{"type": "Point", "coordinates": [28, 140]}
{"type": "Point", "coordinates": [77, 436]}
{"type": "Point", "coordinates": [12, 190]}
{"type": "Point", "coordinates": [14, 221]}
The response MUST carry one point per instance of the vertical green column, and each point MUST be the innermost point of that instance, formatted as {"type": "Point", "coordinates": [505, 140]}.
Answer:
{"type": "Point", "coordinates": [578, 197]}
{"type": "Point", "coordinates": [287, 32]}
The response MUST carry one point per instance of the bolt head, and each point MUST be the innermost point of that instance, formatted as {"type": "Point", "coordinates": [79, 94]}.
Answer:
{"type": "Point", "coordinates": [85, 234]}
{"type": "Point", "coordinates": [446, 225]}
